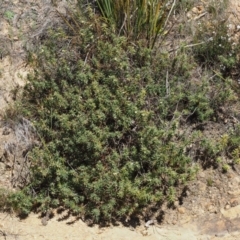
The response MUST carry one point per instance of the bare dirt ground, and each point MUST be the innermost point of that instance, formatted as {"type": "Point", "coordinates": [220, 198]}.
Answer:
{"type": "Point", "coordinates": [208, 209]}
{"type": "Point", "coordinates": [31, 228]}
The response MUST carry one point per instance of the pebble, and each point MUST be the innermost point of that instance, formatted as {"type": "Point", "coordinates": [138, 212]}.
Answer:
{"type": "Point", "coordinates": [227, 206]}
{"type": "Point", "coordinates": [176, 203]}
{"type": "Point", "coordinates": [181, 210]}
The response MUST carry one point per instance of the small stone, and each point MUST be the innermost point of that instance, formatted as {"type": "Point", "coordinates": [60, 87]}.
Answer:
{"type": "Point", "coordinates": [227, 206]}
{"type": "Point", "coordinates": [181, 210]}
{"type": "Point", "coordinates": [176, 203]}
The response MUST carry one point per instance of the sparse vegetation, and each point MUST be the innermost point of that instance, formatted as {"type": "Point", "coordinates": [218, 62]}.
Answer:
{"type": "Point", "coordinates": [9, 15]}
{"type": "Point", "coordinates": [219, 48]}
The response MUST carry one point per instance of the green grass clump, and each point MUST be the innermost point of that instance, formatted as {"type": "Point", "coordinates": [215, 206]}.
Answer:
{"type": "Point", "coordinates": [137, 19]}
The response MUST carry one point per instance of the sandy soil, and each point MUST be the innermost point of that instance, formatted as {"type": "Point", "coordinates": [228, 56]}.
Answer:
{"type": "Point", "coordinates": [31, 228]}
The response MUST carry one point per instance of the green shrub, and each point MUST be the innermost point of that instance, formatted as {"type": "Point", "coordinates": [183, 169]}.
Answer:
{"type": "Point", "coordinates": [107, 112]}
{"type": "Point", "coordinates": [4, 199]}
{"type": "Point", "coordinates": [231, 146]}
{"type": "Point", "coordinates": [108, 149]}
{"type": "Point", "coordinates": [218, 46]}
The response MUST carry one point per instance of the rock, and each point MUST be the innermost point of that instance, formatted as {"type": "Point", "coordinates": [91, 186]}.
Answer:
{"type": "Point", "coordinates": [237, 192]}
{"type": "Point", "coordinates": [231, 213]}
{"type": "Point", "coordinates": [181, 210]}
{"type": "Point", "coordinates": [176, 203]}
{"type": "Point", "coordinates": [227, 207]}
